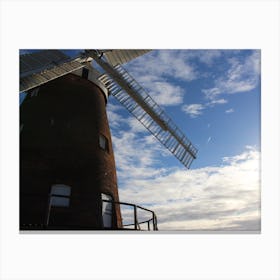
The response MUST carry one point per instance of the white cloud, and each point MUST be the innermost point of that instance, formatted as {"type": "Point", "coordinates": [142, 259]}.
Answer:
{"type": "Point", "coordinates": [115, 118]}
{"type": "Point", "coordinates": [164, 93]}
{"type": "Point", "coordinates": [156, 70]}
{"type": "Point", "coordinates": [193, 110]}
{"type": "Point", "coordinates": [225, 197]}
{"type": "Point", "coordinates": [135, 126]}
{"type": "Point", "coordinates": [211, 198]}
{"type": "Point", "coordinates": [229, 111]}
{"type": "Point", "coordinates": [169, 63]}
{"type": "Point", "coordinates": [208, 56]}
{"type": "Point", "coordinates": [176, 64]}
{"type": "Point", "coordinates": [242, 76]}
{"type": "Point", "coordinates": [205, 56]}
{"type": "Point", "coordinates": [136, 151]}
{"type": "Point", "coordinates": [167, 94]}
{"type": "Point", "coordinates": [217, 101]}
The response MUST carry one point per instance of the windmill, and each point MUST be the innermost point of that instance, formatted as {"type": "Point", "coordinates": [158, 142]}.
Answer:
{"type": "Point", "coordinates": [67, 169]}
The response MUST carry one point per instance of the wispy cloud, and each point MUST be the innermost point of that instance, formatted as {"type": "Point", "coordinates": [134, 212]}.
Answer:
{"type": "Point", "coordinates": [167, 93]}
{"type": "Point", "coordinates": [156, 72]}
{"type": "Point", "coordinates": [169, 63]}
{"type": "Point", "coordinates": [242, 76]}
{"type": "Point", "coordinates": [211, 198]}
{"type": "Point", "coordinates": [193, 110]}
{"type": "Point", "coordinates": [217, 101]}
{"type": "Point", "coordinates": [229, 111]}
{"type": "Point", "coordinates": [207, 57]}
{"type": "Point", "coordinates": [116, 119]}
{"type": "Point", "coordinates": [136, 151]}
{"type": "Point", "coordinates": [225, 197]}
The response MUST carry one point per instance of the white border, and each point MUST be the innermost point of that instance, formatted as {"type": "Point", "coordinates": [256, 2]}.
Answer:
{"type": "Point", "coordinates": [145, 24]}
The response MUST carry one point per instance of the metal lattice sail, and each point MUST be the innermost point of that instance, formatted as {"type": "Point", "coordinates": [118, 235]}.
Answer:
{"type": "Point", "coordinates": [40, 67]}
{"type": "Point", "coordinates": [142, 106]}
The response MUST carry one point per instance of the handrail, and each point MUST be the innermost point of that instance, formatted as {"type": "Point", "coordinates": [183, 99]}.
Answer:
{"type": "Point", "coordinates": [137, 224]}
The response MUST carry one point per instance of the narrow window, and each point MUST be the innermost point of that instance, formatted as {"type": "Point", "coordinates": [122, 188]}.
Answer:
{"type": "Point", "coordinates": [60, 195]}
{"type": "Point", "coordinates": [103, 143]}
{"type": "Point", "coordinates": [85, 73]}
{"type": "Point", "coordinates": [107, 210]}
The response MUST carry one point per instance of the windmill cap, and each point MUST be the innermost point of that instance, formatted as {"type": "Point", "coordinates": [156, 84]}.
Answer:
{"type": "Point", "coordinates": [92, 75]}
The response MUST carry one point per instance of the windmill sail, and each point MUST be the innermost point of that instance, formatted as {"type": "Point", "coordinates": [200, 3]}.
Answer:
{"type": "Point", "coordinates": [115, 57]}
{"type": "Point", "coordinates": [139, 103]}
{"type": "Point", "coordinates": [43, 66]}
{"type": "Point", "coordinates": [39, 68]}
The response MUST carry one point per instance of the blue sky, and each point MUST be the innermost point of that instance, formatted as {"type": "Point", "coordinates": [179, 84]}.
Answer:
{"type": "Point", "coordinates": [214, 98]}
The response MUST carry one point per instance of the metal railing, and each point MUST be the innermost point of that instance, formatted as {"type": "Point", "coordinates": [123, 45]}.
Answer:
{"type": "Point", "coordinates": [136, 225]}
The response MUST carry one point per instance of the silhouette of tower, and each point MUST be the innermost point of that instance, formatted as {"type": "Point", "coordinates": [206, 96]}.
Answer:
{"type": "Point", "coordinates": [66, 156]}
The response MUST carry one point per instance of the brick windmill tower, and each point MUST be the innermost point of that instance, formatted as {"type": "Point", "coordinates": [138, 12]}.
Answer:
{"type": "Point", "coordinates": [68, 176]}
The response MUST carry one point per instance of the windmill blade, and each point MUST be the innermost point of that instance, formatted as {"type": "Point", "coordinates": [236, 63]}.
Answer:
{"type": "Point", "coordinates": [139, 103]}
{"type": "Point", "coordinates": [43, 66]}
{"type": "Point", "coordinates": [115, 57]}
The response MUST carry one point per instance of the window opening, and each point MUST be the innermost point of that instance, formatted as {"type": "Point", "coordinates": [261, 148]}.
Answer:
{"type": "Point", "coordinates": [85, 73]}
{"type": "Point", "coordinates": [107, 210]}
{"type": "Point", "coordinates": [59, 199]}
{"type": "Point", "coordinates": [103, 143]}
{"type": "Point", "coordinates": [60, 195]}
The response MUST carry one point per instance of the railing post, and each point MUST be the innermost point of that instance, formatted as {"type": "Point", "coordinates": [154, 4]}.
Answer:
{"type": "Point", "coordinates": [156, 228]}
{"type": "Point", "coordinates": [48, 212]}
{"type": "Point", "coordinates": [135, 217]}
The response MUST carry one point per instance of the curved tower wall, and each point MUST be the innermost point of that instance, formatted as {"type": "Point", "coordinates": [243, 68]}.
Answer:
{"type": "Point", "coordinates": [66, 156]}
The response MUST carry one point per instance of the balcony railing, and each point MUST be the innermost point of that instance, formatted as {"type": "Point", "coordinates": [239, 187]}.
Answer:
{"type": "Point", "coordinates": [139, 218]}
{"type": "Point", "coordinates": [138, 222]}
